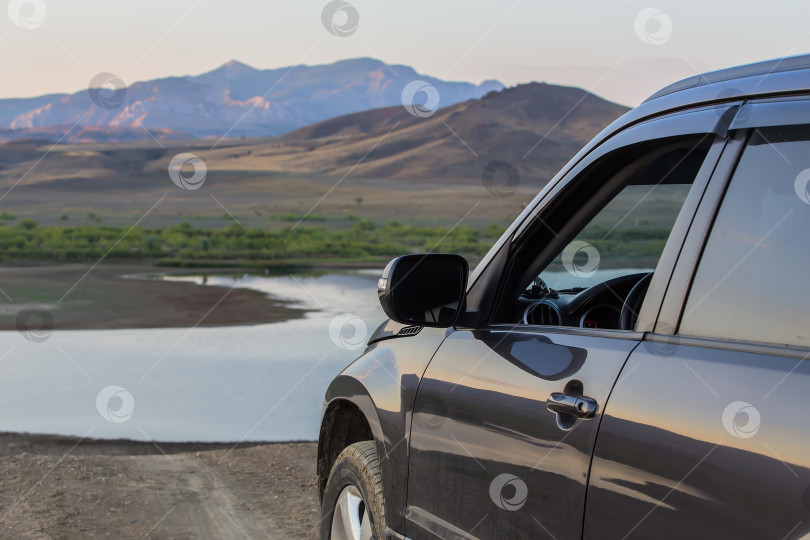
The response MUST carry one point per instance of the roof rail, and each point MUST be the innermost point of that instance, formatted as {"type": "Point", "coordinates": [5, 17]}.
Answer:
{"type": "Point", "coordinates": [750, 70]}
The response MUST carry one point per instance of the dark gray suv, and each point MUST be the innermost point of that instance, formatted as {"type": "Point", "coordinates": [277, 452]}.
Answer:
{"type": "Point", "coordinates": [630, 360]}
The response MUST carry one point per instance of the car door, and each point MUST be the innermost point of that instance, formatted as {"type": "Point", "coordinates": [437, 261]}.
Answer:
{"type": "Point", "coordinates": [706, 433]}
{"type": "Point", "coordinates": [506, 414]}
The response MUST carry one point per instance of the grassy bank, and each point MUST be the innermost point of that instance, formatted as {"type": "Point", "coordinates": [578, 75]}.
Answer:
{"type": "Point", "coordinates": [306, 245]}
{"type": "Point", "coordinates": [186, 245]}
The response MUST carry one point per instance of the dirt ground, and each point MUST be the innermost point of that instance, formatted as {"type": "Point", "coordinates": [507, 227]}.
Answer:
{"type": "Point", "coordinates": [63, 488]}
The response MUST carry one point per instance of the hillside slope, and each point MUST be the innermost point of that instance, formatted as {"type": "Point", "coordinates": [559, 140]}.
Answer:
{"type": "Point", "coordinates": [535, 127]}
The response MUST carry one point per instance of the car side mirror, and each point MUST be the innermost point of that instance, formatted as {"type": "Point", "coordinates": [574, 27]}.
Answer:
{"type": "Point", "coordinates": [424, 290]}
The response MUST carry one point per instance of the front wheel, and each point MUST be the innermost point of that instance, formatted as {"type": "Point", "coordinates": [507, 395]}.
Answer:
{"type": "Point", "coordinates": [353, 506]}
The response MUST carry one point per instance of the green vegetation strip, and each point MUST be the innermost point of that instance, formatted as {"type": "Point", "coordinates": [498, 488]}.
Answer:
{"type": "Point", "coordinates": [185, 245]}
{"type": "Point", "coordinates": [233, 245]}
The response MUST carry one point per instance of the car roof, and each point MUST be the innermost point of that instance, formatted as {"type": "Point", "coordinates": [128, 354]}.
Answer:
{"type": "Point", "coordinates": [781, 76]}
{"type": "Point", "coordinates": [758, 69]}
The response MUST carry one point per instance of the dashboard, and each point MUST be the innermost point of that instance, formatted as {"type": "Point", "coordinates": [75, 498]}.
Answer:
{"type": "Point", "coordinates": [599, 306]}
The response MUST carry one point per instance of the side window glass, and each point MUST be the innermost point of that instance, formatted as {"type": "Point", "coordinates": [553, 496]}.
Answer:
{"type": "Point", "coordinates": [626, 237]}
{"type": "Point", "coordinates": [600, 274]}
{"type": "Point", "coordinates": [751, 283]}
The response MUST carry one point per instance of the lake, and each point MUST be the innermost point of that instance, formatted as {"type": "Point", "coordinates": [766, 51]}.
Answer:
{"type": "Point", "coordinates": [232, 383]}
{"type": "Point", "coordinates": [252, 383]}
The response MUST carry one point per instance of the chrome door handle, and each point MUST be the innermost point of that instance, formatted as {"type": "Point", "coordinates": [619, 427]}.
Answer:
{"type": "Point", "coordinates": [581, 407]}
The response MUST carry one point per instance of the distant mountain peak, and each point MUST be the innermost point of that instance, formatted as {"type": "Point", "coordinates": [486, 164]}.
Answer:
{"type": "Point", "coordinates": [234, 68]}
{"type": "Point", "coordinates": [239, 100]}
{"type": "Point", "coordinates": [236, 64]}
{"type": "Point", "coordinates": [362, 61]}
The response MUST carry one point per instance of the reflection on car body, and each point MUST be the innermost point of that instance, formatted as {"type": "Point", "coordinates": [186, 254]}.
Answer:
{"type": "Point", "coordinates": [630, 358]}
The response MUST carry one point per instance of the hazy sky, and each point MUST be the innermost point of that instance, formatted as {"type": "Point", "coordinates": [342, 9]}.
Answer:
{"type": "Point", "coordinates": [601, 45]}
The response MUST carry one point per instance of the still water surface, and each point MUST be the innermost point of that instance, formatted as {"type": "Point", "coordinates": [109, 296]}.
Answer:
{"type": "Point", "coordinates": [255, 383]}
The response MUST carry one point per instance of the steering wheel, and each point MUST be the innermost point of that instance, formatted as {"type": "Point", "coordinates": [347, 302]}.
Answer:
{"type": "Point", "coordinates": [632, 304]}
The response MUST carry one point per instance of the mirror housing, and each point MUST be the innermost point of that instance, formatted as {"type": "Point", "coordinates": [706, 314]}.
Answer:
{"type": "Point", "coordinates": [424, 290]}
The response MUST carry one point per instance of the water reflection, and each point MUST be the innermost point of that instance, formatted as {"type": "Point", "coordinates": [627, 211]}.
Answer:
{"type": "Point", "coordinates": [263, 382]}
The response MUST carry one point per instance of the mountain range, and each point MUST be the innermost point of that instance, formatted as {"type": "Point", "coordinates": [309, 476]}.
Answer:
{"type": "Point", "coordinates": [234, 100]}
{"type": "Point", "coordinates": [383, 163]}
{"type": "Point", "coordinates": [380, 159]}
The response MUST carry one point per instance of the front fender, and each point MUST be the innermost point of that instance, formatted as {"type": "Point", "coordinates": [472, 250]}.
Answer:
{"type": "Point", "coordinates": [382, 384]}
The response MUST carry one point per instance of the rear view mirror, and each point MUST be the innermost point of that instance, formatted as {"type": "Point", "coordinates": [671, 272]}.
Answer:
{"type": "Point", "coordinates": [424, 290]}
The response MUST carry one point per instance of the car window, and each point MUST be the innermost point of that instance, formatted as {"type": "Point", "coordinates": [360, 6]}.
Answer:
{"type": "Point", "coordinates": [626, 237]}
{"type": "Point", "coordinates": [612, 237]}
{"type": "Point", "coordinates": [751, 283]}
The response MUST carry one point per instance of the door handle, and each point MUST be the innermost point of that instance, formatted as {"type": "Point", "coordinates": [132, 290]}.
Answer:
{"type": "Point", "coordinates": [581, 407]}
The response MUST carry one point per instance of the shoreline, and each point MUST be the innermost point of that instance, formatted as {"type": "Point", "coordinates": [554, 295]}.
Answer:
{"type": "Point", "coordinates": [113, 296]}
{"type": "Point", "coordinates": [23, 442]}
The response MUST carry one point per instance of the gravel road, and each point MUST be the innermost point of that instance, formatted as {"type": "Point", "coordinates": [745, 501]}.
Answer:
{"type": "Point", "coordinates": [63, 488]}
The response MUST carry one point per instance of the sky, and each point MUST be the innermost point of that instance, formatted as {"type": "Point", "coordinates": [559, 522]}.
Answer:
{"type": "Point", "coordinates": [623, 50]}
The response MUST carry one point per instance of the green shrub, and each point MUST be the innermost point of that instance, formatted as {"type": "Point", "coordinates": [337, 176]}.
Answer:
{"type": "Point", "coordinates": [27, 224]}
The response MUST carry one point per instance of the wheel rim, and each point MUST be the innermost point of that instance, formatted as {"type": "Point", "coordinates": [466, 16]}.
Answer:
{"type": "Point", "coordinates": [350, 520]}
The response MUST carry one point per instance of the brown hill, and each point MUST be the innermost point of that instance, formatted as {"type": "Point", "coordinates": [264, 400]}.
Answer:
{"type": "Point", "coordinates": [535, 127]}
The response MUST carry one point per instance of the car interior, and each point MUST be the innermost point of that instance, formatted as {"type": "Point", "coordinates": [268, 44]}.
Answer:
{"type": "Point", "coordinates": [599, 256]}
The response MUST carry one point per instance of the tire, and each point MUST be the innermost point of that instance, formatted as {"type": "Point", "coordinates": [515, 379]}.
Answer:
{"type": "Point", "coordinates": [354, 489]}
